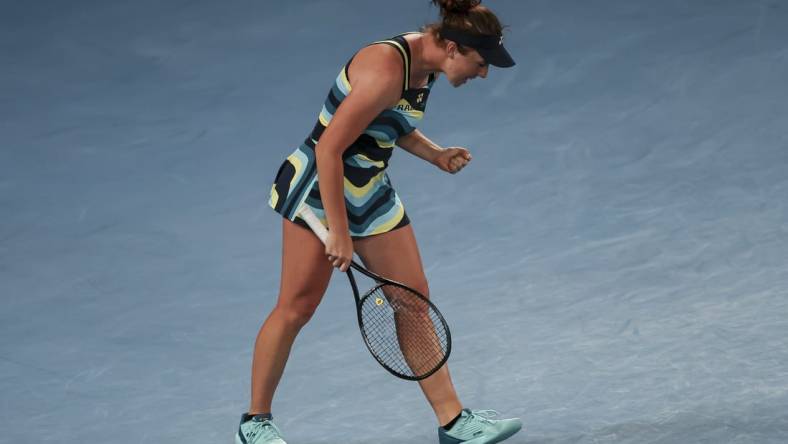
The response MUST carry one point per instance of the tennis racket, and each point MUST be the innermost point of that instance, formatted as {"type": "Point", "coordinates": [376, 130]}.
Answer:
{"type": "Point", "coordinates": [402, 329]}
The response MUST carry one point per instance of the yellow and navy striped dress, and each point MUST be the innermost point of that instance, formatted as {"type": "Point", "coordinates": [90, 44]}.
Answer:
{"type": "Point", "coordinates": [373, 206]}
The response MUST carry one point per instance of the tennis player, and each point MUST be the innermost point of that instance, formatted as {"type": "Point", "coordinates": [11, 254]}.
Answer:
{"type": "Point", "coordinates": [377, 101]}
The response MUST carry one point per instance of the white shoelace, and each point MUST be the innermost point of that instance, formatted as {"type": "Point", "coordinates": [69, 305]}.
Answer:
{"type": "Point", "coordinates": [484, 415]}
{"type": "Point", "coordinates": [267, 430]}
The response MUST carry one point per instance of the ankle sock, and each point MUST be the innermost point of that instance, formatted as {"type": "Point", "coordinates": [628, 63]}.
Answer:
{"type": "Point", "coordinates": [248, 417]}
{"type": "Point", "coordinates": [451, 423]}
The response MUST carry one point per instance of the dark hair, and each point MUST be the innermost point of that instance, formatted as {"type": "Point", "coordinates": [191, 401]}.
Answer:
{"type": "Point", "coordinates": [465, 15]}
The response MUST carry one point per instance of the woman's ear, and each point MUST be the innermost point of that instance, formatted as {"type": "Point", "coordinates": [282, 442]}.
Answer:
{"type": "Point", "coordinates": [451, 49]}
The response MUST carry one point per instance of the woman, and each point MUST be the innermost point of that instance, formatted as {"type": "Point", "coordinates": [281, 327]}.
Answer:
{"type": "Point", "coordinates": [377, 100]}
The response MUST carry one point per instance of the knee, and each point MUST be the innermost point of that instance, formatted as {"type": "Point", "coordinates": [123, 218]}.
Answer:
{"type": "Point", "coordinates": [298, 310]}
{"type": "Point", "coordinates": [422, 287]}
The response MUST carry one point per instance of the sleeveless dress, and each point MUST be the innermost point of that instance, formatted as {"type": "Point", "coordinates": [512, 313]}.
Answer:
{"type": "Point", "coordinates": [373, 206]}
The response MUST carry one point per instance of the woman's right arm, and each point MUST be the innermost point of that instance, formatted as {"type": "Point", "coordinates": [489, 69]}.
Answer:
{"type": "Point", "coordinates": [376, 84]}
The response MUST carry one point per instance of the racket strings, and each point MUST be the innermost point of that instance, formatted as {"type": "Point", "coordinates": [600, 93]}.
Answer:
{"type": "Point", "coordinates": [404, 331]}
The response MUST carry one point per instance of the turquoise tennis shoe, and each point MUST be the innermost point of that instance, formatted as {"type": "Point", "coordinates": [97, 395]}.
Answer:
{"type": "Point", "coordinates": [259, 429]}
{"type": "Point", "coordinates": [478, 427]}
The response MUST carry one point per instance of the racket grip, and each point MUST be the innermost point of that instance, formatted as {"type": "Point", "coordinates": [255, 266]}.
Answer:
{"type": "Point", "coordinates": [306, 213]}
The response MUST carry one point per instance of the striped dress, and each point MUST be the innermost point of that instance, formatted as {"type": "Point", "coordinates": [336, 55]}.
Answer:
{"type": "Point", "coordinates": [373, 206]}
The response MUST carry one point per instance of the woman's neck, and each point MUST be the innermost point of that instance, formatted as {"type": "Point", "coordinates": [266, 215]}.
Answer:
{"type": "Point", "coordinates": [429, 56]}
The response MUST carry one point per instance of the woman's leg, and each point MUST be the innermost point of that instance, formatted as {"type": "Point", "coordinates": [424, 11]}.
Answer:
{"type": "Point", "coordinates": [395, 255]}
{"type": "Point", "coordinates": [305, 276]}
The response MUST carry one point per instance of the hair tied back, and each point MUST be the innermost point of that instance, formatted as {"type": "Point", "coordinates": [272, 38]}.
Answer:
{"type": "Point", "coordinates": [455, 6]}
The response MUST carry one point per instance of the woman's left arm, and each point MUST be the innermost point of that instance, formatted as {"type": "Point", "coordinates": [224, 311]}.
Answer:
{"type": "Point", "coordinates": [419, 145]}
{"type": "Point", "coordinates": [451, 159]}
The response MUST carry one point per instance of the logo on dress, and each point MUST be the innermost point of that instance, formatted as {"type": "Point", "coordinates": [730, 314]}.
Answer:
{"type": "Point", "coordinates": [500, 41]}
{"type": "Point", "coordinates": [420, 97]}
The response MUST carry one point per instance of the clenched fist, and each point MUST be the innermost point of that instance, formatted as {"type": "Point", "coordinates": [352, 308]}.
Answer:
{"type": "Point", "coordinates": [452, 159]}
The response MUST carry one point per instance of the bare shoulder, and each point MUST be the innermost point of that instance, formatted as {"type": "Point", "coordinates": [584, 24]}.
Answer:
{"type": "Point", "coordinates": [380, 67]}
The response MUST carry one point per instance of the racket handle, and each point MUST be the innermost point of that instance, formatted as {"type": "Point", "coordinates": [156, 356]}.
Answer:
{"type": "Point", "coordinates": [306, 213]}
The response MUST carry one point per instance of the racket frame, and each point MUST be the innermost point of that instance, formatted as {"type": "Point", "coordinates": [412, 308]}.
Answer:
{"type": "Point", "coordinates": [306, 213]}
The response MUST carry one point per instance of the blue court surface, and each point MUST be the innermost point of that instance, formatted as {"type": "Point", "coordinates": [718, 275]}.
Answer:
{"type": "Point", "coordinates": [613, 263]}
